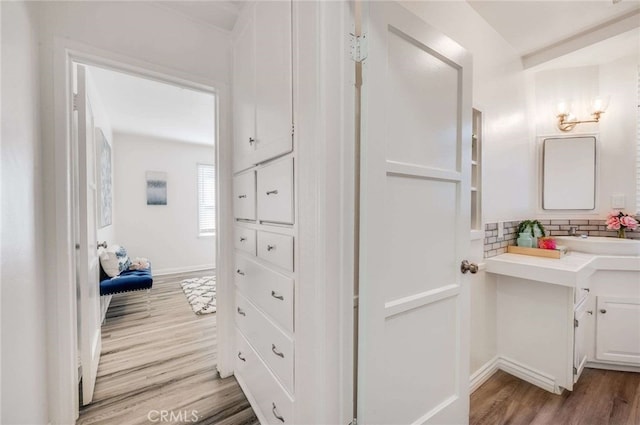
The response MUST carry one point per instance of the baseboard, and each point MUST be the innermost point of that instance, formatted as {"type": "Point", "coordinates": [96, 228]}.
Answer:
{"type": "Point", "coordinates": [481, 375]}
{"type": "Point", "coordinates": [174, 270]}
{"type": "Point", "coordinates": [612, 366]}
{"type": "Point", "coordinates": [525, 373]}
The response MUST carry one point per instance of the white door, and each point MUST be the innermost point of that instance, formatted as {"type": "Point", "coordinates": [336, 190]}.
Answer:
{"type": "Point", "coordinates": [90, 343]}
{"type": "Point", "coordinates": [413, 346]}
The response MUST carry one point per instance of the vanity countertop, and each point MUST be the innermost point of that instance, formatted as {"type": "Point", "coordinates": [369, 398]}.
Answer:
{"type": "Point", "coordinates": [569, 270]}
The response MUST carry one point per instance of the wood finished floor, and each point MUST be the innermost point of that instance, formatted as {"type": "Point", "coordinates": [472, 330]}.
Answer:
{"type": "Point", "coordinates": [601, 397]}
{"type": "Point", "coordinates": [164, 362]}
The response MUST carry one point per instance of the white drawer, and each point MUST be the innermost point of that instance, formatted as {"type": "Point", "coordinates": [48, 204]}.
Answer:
{"type": "Point", "coordinates": [276, 248]}
{"type": "Point", "coordinates": [273, 402]}
{"type": "Point", "coordinates": [275, 348]}
{"type": "Point", "coordinates": [245, 240]}
{"type": "Point", "coordinates": [244, 196]}
{"type": "Point", "coordinates": [275, 192]}
{"type": "Point", "coordinates": [269, 290]}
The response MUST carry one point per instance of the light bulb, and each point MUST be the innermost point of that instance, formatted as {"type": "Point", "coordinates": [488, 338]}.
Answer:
{"type": "Point", "coordinates": [599, 104]}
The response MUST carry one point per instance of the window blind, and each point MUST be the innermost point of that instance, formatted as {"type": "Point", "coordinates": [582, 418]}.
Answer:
{"type": "Point", "coordinates": [206, 199]}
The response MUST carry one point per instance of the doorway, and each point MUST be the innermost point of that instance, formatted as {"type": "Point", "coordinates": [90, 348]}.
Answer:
{"type": "Point", "coordinates": [203, 176]}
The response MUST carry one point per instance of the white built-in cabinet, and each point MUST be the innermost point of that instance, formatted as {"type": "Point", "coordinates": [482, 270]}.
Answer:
{"type": "Point", "coordinates": [262, 84]}
{"type": "Point", "coordinates": [265, 211]}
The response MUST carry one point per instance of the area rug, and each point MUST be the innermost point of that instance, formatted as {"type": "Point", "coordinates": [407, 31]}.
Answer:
{"type": "Point", "coordinates": [201, 294]}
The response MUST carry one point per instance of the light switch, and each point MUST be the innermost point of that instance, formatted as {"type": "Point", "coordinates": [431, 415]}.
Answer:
{"type": "Point", "coordinates": [617, 200]}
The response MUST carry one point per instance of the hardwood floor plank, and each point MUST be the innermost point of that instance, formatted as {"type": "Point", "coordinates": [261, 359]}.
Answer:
{"type": "Point", "coordinates": [601, 397]}
{"type": "Point", "coordinates": [162, 362]}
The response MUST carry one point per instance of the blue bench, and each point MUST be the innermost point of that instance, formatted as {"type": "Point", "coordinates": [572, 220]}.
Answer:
{"type": "Point", "coordinates": [127, 281]}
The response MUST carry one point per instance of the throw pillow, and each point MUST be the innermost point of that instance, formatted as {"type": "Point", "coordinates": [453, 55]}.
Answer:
{"type": "Point", "coordinates": [123, 258]}
{"type": "Point", "coordinates": [109, 263]}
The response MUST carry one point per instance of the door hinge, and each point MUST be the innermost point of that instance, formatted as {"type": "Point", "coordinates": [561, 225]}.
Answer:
{"type": "Point", "coordinates": [75, 102]}
{"type": "Point", "coordinates": [359, 50]}
{"type": "Point", "coordinates": [293, 129]}
{"type": "Point", "coordinates": [576, 323]}
{"type": "Point", "coordinates": [575, 370]}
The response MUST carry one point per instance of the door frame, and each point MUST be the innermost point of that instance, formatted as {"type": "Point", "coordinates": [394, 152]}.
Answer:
{"type": "Point", "coordinates": [61, 265]}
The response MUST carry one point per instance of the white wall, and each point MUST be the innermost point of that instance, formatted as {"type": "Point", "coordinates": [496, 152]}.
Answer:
{"type": "Point", "coordinates": [23, 334]}
{"type": "Point", "coordinates": [166, 234]}
{"type": "Point", "coordinates": [508, 164]}
{"type": "Point", "coordinates": [140, 34]}
{"type": "Point", "coordinates": [617, 128]}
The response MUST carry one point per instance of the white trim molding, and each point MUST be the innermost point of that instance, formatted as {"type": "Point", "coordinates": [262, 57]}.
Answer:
{"type": "Point", "coordinates": [528, 374]}
{"type": "Point", "coordinates": [483, 374]}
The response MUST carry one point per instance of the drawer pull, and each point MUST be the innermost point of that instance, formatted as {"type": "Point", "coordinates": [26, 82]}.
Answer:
{"type": "Point", "coordinates": [603, 311]}
{"type": "Point", "coordinates": [586, 289]}
{"type": "Point", "coordinates": [274, 294]}
{"type": "Point", "coordinates": [276, 352]}
{"type": "Point", "coordinates": [251, 140]}
{"type": "Point", "coordinates": [240, 272]}
{"type": "Point", "coordinates": [274, 410]}
{"type": "Point", "coordinates": [240, 356]}
{"type": "Point", "coordinates": [590, 312]}
{"type": "Point", "coordinates": [272, 192]}
{"type": "Point", "coordinates": [271, 247]}
{"type": "Point", "coordinates": [242, 196]}
{"type": "Point", "coordinates": [241, 312]}
{"type": "Point", "coordinates": [243, 239]}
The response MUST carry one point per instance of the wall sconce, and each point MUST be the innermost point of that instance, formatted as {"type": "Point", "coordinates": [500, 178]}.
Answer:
{"type": "Point", "coordinates": [567, 121]}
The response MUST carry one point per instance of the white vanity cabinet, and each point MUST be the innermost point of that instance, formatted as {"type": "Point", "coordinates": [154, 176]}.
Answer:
{"type": "Point", "coordinates": [263, 84]}
{"type": "Point", "coordinates": [556, 317]}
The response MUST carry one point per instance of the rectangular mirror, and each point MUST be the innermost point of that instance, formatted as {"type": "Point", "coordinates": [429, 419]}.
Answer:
{"type": "Point", "coordinates": [569, 173]}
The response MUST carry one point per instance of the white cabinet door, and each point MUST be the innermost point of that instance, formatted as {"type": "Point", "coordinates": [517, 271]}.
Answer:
{"type": "Point", "coordinates": [581, 333]}
{"type": "Point", "coordinates": [618, 329]}
{"type": "Point", "coordinates": [274, 108]}
{"type": "Point", "coordinates": [244, 104]}
{"type": "Point", "coordinates": [413, 343]}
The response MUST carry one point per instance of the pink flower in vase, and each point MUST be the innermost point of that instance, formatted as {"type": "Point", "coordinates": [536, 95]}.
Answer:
{"type": "Point", "coordinates": [629, 222]}
{"type": "Point", "coordinates": [613, 223]}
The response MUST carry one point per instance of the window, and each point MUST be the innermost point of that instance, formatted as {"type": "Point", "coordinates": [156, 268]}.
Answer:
{"type": "Point", "coordinates": [206, 200]}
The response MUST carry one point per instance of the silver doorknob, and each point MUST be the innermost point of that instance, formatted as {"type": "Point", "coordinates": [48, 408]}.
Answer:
{"type": "Point", "coordinates": [102, 245]}
{"type": "Point", "coordinates": [466, 266]}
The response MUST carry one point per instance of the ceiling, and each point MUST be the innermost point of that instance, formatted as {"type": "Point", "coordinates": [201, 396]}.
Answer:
{"type": "Point", "coordinates": [530, 26]}
{"type": "Point", "coordinates": [146, 107]}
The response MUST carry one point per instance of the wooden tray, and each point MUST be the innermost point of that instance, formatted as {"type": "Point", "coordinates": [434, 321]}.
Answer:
{"type": "Point", "coordinates": [535, 252]}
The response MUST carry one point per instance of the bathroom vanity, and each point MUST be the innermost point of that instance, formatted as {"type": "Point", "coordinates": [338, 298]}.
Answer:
{"type": "Point", "coordinates": [556, 316]}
